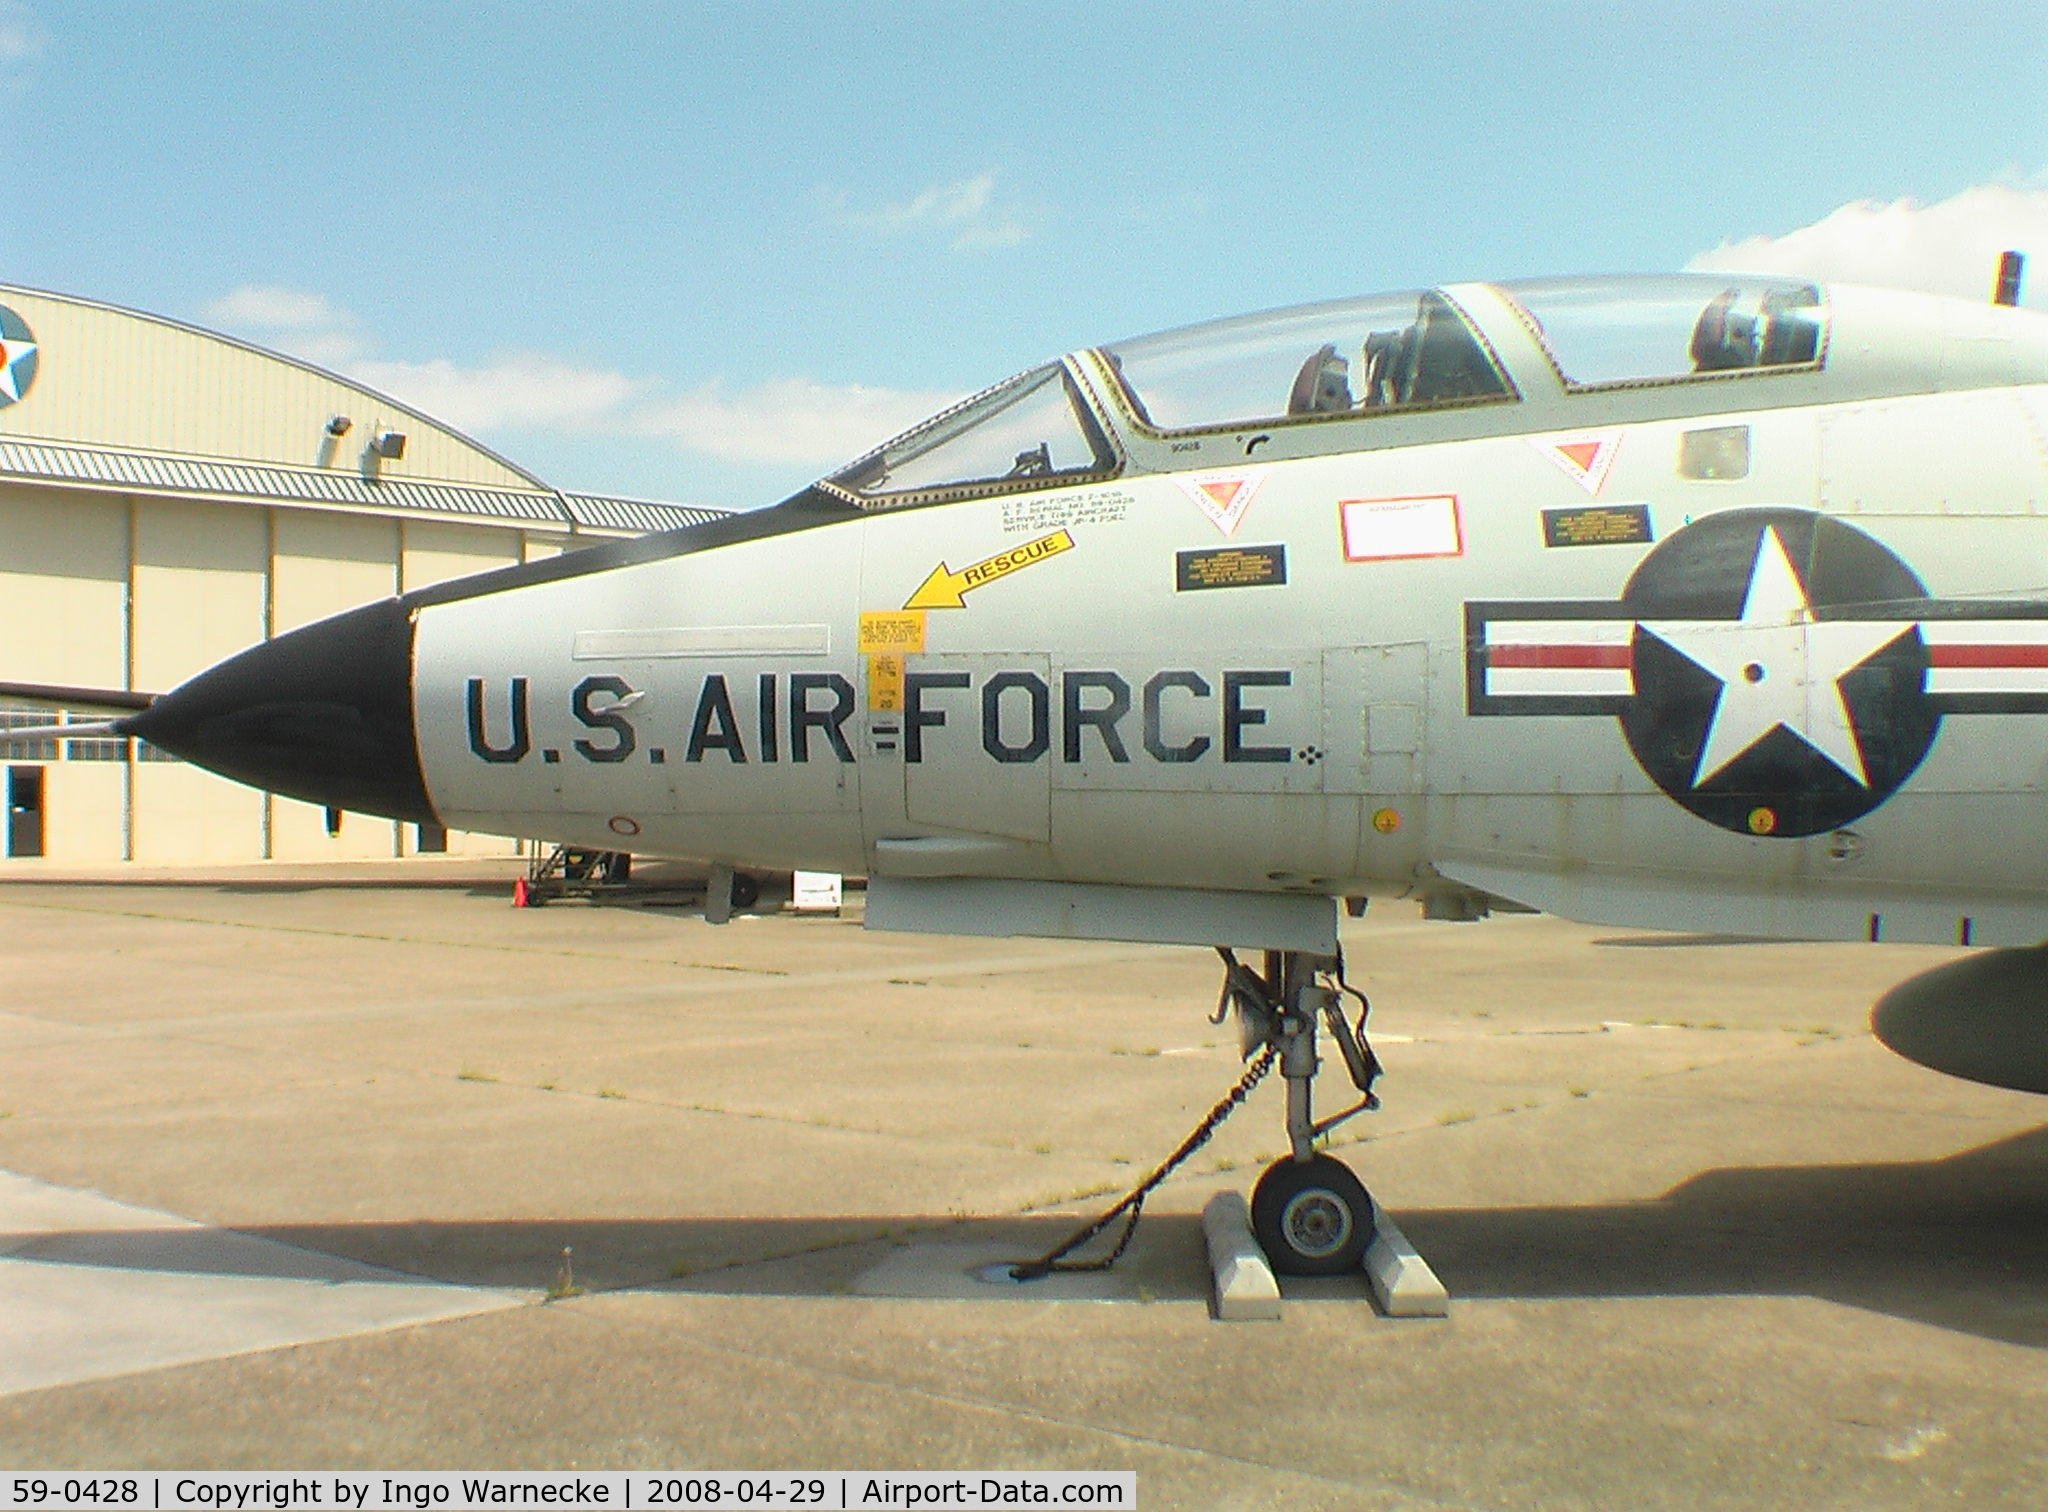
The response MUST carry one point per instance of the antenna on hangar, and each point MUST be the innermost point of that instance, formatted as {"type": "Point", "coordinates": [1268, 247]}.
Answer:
{"type": "Point", "coordinates": [2012, 266]}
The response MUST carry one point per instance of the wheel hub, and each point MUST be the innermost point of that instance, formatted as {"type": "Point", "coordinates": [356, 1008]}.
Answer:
{"type": "Point", "coordinates": [1316, 1222]}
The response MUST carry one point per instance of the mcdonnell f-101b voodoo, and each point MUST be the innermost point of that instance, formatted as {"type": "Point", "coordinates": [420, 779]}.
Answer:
{"type": "Point", "coordinates": [1703, 603]}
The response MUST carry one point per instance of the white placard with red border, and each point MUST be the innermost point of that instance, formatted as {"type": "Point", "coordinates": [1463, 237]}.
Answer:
{"type": "Point", "coordinates": [1405, 529]}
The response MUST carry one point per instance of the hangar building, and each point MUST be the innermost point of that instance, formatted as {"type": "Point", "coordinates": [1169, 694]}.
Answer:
{"type": "Point", "coordinates": [169, 495]}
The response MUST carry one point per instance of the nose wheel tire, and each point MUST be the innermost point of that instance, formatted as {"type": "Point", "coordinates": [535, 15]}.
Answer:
{"type": "Point", "coordinates": [1312, 1218]}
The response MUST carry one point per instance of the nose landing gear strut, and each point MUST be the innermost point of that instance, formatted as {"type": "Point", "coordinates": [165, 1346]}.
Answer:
{"type": "Point", "coordinates": [1312, 1216]}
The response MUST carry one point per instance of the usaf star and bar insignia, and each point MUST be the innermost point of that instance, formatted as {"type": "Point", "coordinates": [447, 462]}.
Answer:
{"type": "Point", "coordinates": [1775, 671]}
{"type": "Point", "coordinates": [17, 357]}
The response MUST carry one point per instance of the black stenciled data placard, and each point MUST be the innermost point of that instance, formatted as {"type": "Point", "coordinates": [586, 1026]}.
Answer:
{"type": "Point", "coordinates": [1598, 525]}
{"type": "Point", "coordinates": [1230, 567]}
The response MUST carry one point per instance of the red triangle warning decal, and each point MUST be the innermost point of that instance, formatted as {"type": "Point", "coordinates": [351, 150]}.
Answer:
{"type": "Point", "coordinates": [1224, 498]}
{"type": "Point", "coordinates": [1584, 458]}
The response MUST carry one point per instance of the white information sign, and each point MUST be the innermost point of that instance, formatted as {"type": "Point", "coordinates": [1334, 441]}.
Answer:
{"type": "Point", "coordinates": [817, 892]}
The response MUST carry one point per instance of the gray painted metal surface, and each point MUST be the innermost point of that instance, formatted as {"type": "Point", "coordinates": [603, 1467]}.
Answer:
{"type": "Point", "coordinates": [1758, 648]}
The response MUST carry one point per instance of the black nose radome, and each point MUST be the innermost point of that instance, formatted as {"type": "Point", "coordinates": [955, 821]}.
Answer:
{"type": "Point", "coordinates": [323, 713]}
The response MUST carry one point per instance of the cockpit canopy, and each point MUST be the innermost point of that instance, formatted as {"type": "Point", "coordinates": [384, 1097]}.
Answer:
{"type": "Point", "coordinates": [1346, 359]}
{"type": "Point", "coordinates": [1601, 331]}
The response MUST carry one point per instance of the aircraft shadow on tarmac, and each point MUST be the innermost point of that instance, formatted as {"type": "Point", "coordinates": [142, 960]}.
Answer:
{"type": "Point", "coordinates": [661, 889]}
{"type": "Point", "coordinates": [1959, 1243]}
{"type": "Point", "coordinates": [277, 886]}
{"type": "Point", "coordinates": [1686, 941]}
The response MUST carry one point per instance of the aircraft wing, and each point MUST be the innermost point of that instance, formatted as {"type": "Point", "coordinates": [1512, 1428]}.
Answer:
{"type": "Point", "coordinates": [118, 702]}
{"type": "Point", "coordinates": [94, 700]}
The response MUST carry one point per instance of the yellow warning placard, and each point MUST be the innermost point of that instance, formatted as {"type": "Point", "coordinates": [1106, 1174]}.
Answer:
{"type": "Point", "coordinates": [885, 683]}
{"type": "Point", "coordinates": [946, 589]}
{"type": "Point", "coordinates": [892, 631]}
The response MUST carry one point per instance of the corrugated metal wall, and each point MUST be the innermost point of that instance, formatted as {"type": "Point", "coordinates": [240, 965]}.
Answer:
{"type": "Point", "coordinates": [114, 591]}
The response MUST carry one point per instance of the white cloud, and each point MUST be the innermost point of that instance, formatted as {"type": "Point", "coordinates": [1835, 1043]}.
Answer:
{"type": "Point", "coordinates": [307, 325]}
{"type": "Point", "coordinates": [784, 421]}
{"type": "Point", "coordinates": [273, 307]}
{"type": "Point", "coordinates": [519, 389]}
{"type": "Point", "coordinates": [1946, 248]}
{"type": "Point", "coordinates": [966, 214]}
{"type": "Point", "coordinates": [21, 35]}
{"type": "Point", "coordinates": [792, 420]}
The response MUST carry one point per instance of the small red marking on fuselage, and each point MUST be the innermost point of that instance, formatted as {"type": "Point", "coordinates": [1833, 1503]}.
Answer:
{"type": "Point", "coordinates": [1622, 657]}
{"type": "Point", "coordinates": [1988, 656]}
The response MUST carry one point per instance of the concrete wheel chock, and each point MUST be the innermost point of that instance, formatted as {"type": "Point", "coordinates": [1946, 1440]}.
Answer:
{"type": "Point", "coordinates": [1402, 1281]}
{"type": "Point", "coordinates": [1245, 1289]}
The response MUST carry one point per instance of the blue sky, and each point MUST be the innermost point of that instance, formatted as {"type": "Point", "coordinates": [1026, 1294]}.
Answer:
{"type": "Point", "coordinates": [706, 252]}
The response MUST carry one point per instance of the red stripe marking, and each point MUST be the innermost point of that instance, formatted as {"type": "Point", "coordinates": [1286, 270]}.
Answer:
{"type": "Point", "coordinates": [1620, 657]}
{"type": "Point", "coordinates": [1987, 656]}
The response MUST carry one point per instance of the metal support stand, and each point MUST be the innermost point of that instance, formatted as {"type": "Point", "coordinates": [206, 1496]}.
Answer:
{"type": "Point", "coordinates": [566, 872]}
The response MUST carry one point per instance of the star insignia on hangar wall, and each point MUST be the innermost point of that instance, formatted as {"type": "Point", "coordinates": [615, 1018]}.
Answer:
{"type": "Point", "coordinates": [1775, 671]}
{"type": "Point", "coordinates": [18, 360]}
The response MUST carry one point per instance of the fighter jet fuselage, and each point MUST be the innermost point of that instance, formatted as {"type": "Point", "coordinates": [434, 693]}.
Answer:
{"type": "Point", "coordinates": [1689, 602]}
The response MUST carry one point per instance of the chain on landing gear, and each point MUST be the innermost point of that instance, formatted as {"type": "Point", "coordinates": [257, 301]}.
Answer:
{"type": "Point", "coordinates": [1311, 1215]}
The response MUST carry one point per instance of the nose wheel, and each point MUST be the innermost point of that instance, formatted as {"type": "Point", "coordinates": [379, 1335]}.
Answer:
{"type": "Point", "coordinates": [1312, 1218]}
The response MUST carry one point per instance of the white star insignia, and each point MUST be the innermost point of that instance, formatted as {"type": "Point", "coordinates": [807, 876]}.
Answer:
{"type": "Point", "coordinates": [1779, 667]}
{"type": "Point", "coordinates": [12, 355]}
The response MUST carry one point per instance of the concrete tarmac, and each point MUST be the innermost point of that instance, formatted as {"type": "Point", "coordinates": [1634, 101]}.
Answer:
{"type": "Point", "coordinates": [296, 1155]}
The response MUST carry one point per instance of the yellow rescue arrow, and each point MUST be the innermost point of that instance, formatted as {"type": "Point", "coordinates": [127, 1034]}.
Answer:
{"type": "Point", "coordinates": [945, 588]}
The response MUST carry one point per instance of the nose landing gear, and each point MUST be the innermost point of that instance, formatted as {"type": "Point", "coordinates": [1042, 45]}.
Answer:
{"type": "Point", "coordinates": [1312, 1216]}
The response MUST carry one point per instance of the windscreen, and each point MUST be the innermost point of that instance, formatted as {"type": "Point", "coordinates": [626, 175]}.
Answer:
{"type": "Point", "coordinates": [1031, 431]}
